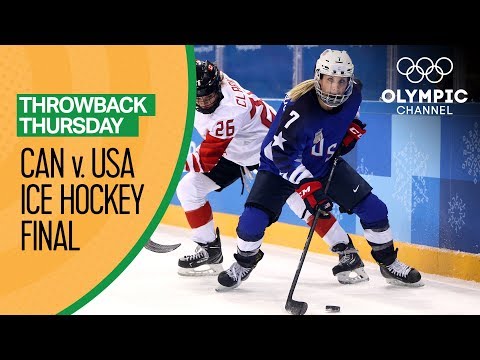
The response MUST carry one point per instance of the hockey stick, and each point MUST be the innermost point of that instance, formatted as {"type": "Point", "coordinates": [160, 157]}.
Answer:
{"type": "Point", "coordinates": [160, 248]}
{"type": "Point", "coordinates": [295, 307]}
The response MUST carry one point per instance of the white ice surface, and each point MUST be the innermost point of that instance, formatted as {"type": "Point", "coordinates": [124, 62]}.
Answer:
{"type": "Point", "coordinates": [151, 285]}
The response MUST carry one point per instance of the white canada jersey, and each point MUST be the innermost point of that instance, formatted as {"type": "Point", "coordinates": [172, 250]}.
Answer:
{"type": "Point", "coordinates": [241, 118]}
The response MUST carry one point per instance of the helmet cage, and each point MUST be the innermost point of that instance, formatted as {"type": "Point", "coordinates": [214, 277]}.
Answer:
{"type": "Point", "coordinates": [208, 83]}
{"type": "Point", "coordinates": [333, 100]}
{"type": "Point", "coordinates": [334, 63]}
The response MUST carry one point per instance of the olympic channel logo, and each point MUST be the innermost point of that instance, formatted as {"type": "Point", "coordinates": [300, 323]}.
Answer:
{"type": "Point", "coordinates": [424, 73]}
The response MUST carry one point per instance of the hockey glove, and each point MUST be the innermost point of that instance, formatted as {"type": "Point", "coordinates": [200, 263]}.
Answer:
{"type": "Point", "coordinates": [354, 133]}
{"type": "Point", "coordinates": [311, 191]}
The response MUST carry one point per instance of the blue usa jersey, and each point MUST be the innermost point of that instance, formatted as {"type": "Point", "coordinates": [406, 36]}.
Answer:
{"type": "Point", "coordinates": [303, 136]}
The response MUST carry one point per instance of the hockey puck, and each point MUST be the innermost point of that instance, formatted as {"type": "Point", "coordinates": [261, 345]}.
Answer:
{"type": "Point", "coordinates": [332, 308]}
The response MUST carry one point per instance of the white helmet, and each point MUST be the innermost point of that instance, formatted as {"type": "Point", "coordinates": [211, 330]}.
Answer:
{"type": "Point", "coordinates": [334, 63]}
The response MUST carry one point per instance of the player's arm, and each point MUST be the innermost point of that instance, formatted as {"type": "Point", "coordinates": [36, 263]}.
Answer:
{"type": "Point", "coordinates": [288, 145]}
{"type": "Point", "coordinates": [355, 130]}
{"type": "Point", "coordinates": [291, 135]}
{"type": "Point", "coordinates": [210, 150]}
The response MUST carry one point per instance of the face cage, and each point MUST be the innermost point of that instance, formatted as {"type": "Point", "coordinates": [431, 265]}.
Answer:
{"type": "Point", "coordinates": [331, 99]}
{"type": "Point", "coordinates": [212, 108]}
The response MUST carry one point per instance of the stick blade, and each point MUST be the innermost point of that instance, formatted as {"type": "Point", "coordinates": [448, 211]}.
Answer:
{"type": "Point", "coordinates": [160, 248]}
{"type": "Point", "coordinates": [296, 307]}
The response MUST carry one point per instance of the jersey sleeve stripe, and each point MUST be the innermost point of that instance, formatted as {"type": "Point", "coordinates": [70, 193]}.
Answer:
{"type": "Point", "coordinates": [298, 174]}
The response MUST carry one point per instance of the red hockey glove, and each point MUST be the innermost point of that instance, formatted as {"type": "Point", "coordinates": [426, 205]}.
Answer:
{"type": "Point", "coordinates": [355, 131]}
{"type": "Point", "coordinates": [311, 191]}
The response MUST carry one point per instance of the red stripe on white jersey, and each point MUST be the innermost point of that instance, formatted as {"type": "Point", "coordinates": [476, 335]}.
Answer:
{"type": "Point", "coordinates": [211, 150]}
{"type": "Point", "coordinates": [196, 165]}
{"type": "Point", "coordinates": [192, 163]}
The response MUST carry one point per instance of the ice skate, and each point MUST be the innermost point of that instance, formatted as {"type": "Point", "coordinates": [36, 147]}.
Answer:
{"type": "Point", "coordinates": [238, 272]}
{"type": "Point", "coordinates": [206, 261]}
{"type": "Point", "coordinates": [396, 272]}
{"type": "Point", "coordinates": [350, 269]}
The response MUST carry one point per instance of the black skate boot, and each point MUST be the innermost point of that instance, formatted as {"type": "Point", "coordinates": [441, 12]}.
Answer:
{"type": "Point", "coordinates": [207, 260]}
{"type": "Point", "coordinates": [350, 269]}
{"type": "Point", "coordinates": [394, 271]}
{"type": "Point", "coordinates": [239, 271]}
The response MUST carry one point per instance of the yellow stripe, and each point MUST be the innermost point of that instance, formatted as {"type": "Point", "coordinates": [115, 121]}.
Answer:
{"type": "Point", "coordinates": [426, 259]}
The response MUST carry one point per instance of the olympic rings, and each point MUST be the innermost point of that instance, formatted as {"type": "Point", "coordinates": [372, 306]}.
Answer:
{"type": "Point", "coordinates": [424, 73]}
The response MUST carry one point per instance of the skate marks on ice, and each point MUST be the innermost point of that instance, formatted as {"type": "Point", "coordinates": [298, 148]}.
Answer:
{"type": "Point", "coordinates": [151, 285]}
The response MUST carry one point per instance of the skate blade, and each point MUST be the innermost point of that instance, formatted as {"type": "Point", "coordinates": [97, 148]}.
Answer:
{"type": "Point", "coordinates": [352, 277]}
{"type": "Point", "coordinates": [396, 282]}
{"type": "Point", "coordinates": [211, 270]}
{"type": "Point", "coordinates": [222, 288]}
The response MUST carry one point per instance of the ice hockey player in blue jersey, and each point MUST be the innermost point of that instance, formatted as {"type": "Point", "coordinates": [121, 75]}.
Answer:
{"type": "Point", "coordinates": [318, 117]}
{"type": "Point", "coordinates": [227, 117]}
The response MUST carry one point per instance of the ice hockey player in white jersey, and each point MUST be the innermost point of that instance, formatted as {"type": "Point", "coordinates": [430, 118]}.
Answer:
{"type": "Point", "coordinates": [233, 123]}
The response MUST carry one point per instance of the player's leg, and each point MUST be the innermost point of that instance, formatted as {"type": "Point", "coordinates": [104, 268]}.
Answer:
{"type": "Point", "coordinates": [262, 208]}
{"type": "Point", "coordinates": [353, 194]}
{"type": "Point", "coordinates": [373, 216]}
{"type": "Point", "coordinates": [350, 268]}
{"type": "Point", "coordinates": [192, 193]}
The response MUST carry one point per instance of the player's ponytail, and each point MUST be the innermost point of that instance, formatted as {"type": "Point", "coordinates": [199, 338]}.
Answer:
{"type": "Point", "coordinates": [301, 89]}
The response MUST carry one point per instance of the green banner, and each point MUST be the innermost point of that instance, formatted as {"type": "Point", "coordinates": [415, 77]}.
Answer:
{"type": "Point", "coordinates": [46, 115]}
